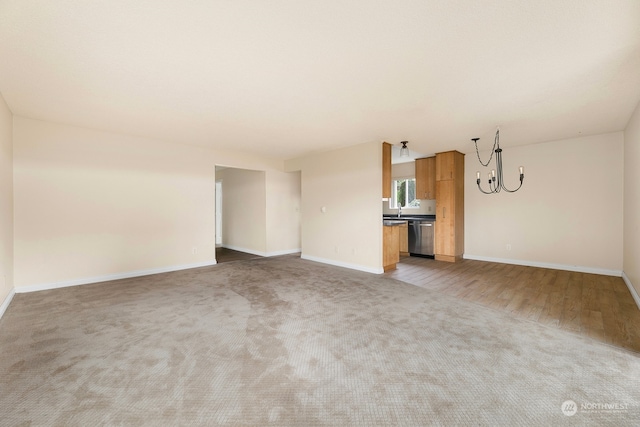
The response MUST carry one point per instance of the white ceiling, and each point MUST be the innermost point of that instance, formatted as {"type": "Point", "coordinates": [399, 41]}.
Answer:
{"type": "Point", "coordinates": [287, 77]}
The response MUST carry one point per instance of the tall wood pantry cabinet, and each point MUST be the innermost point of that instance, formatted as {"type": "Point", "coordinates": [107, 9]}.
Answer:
{"type": "Point", "coordinates": [449, 206]}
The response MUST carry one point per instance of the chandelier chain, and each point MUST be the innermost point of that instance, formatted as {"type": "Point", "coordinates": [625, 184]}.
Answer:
{"type": "Point", "coordinates": [495, 142]}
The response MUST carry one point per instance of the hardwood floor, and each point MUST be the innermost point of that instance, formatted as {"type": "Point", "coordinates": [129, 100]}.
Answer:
{"type": "Point", "coordinates": [597, 306]}
{"type": "Point", "coordinates": [229, 255]}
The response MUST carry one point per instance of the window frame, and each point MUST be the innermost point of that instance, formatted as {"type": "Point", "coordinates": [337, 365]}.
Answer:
{"type": "Point", "coordinates": [393, 202]}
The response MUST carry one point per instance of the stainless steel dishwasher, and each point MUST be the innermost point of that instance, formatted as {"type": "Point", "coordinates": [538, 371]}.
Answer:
{"type": "Point", "coordinates": [421, 237]}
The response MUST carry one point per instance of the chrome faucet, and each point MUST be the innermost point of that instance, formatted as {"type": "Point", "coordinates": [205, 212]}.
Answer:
{"type": "Point", "coordinates": [399, 210]}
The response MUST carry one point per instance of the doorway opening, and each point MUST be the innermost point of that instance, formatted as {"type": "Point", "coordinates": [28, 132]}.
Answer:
{"type": "Point", "coordinates": [218, 214]}
{"type": "Point", "coordinates": [257, 213]}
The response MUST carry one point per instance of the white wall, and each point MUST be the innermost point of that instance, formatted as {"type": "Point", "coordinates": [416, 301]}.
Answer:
{"type": "Point", "coordinates": [92, 205]}
{"type": "Point", "coordinates": [283, 212]}
{"type": "Point", "coordinates": [348, 184]}
{"type": "Point", "coordinates": [6, 204]}
{"type": "Point", "coordinates": [631, 264]}
{"type": "Point", "coordinates": [568, 213]}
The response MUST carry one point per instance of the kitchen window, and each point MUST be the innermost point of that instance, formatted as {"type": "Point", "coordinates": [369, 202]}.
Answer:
{"type": "Point", "coordinates": [403, 194]}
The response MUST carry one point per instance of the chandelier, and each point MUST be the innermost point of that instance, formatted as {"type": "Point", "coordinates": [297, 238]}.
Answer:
{"type": "Point", "coordinates": [496, 181]}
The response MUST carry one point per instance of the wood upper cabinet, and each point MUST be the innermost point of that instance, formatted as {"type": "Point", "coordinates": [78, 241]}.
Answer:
{"type": "Point", "coordinates": [449, 165]}
{"type": "Point", "coordinates": [426, 178]}
{"type": "Point", "coordinates": [449, 206]}
{"type": "Point", "coordinates": [386, 170]}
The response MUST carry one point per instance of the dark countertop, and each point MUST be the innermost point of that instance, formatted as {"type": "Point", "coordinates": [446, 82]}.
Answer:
{"type": "Point", "coordinates": [408, 217]}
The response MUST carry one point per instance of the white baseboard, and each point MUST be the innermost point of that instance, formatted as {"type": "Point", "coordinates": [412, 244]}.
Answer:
{"type": "Point", "coordinates": [576, 268]}
{"type": "Point", "coordinates": [261, 253]}
{"type": "Point", "coordinates": [632, 289]}
{"type": "Point", "coordinates": [6, 302]}
{"type": "Point", "coordinates": [343, 264]}
{"type": "Point", "coordinates": [109, 277]}
{"type": "Point", "coordinates": [285, 252]}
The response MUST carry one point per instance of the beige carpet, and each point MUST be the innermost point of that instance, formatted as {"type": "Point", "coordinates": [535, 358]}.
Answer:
{"type": "Point", "coordinates": [283, 341]}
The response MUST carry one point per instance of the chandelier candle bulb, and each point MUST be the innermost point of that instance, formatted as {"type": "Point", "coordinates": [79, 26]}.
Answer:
{"type": "Point", "coordinates": [493, 173]}
{"type": "Point", "coordinates": [478, 175]}
{"type": "Point", "coordinates": [521, 170]}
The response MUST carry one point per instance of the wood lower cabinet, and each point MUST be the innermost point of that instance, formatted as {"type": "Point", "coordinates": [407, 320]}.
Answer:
{"type": "Point", "coordinates": [449, 206]}
{"type": "Point", "coordinates": [426, 178]}
{"type": "Point", "coordinates": [390, 247]}
{"type": "Point", "coordinates": [403, 233]}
